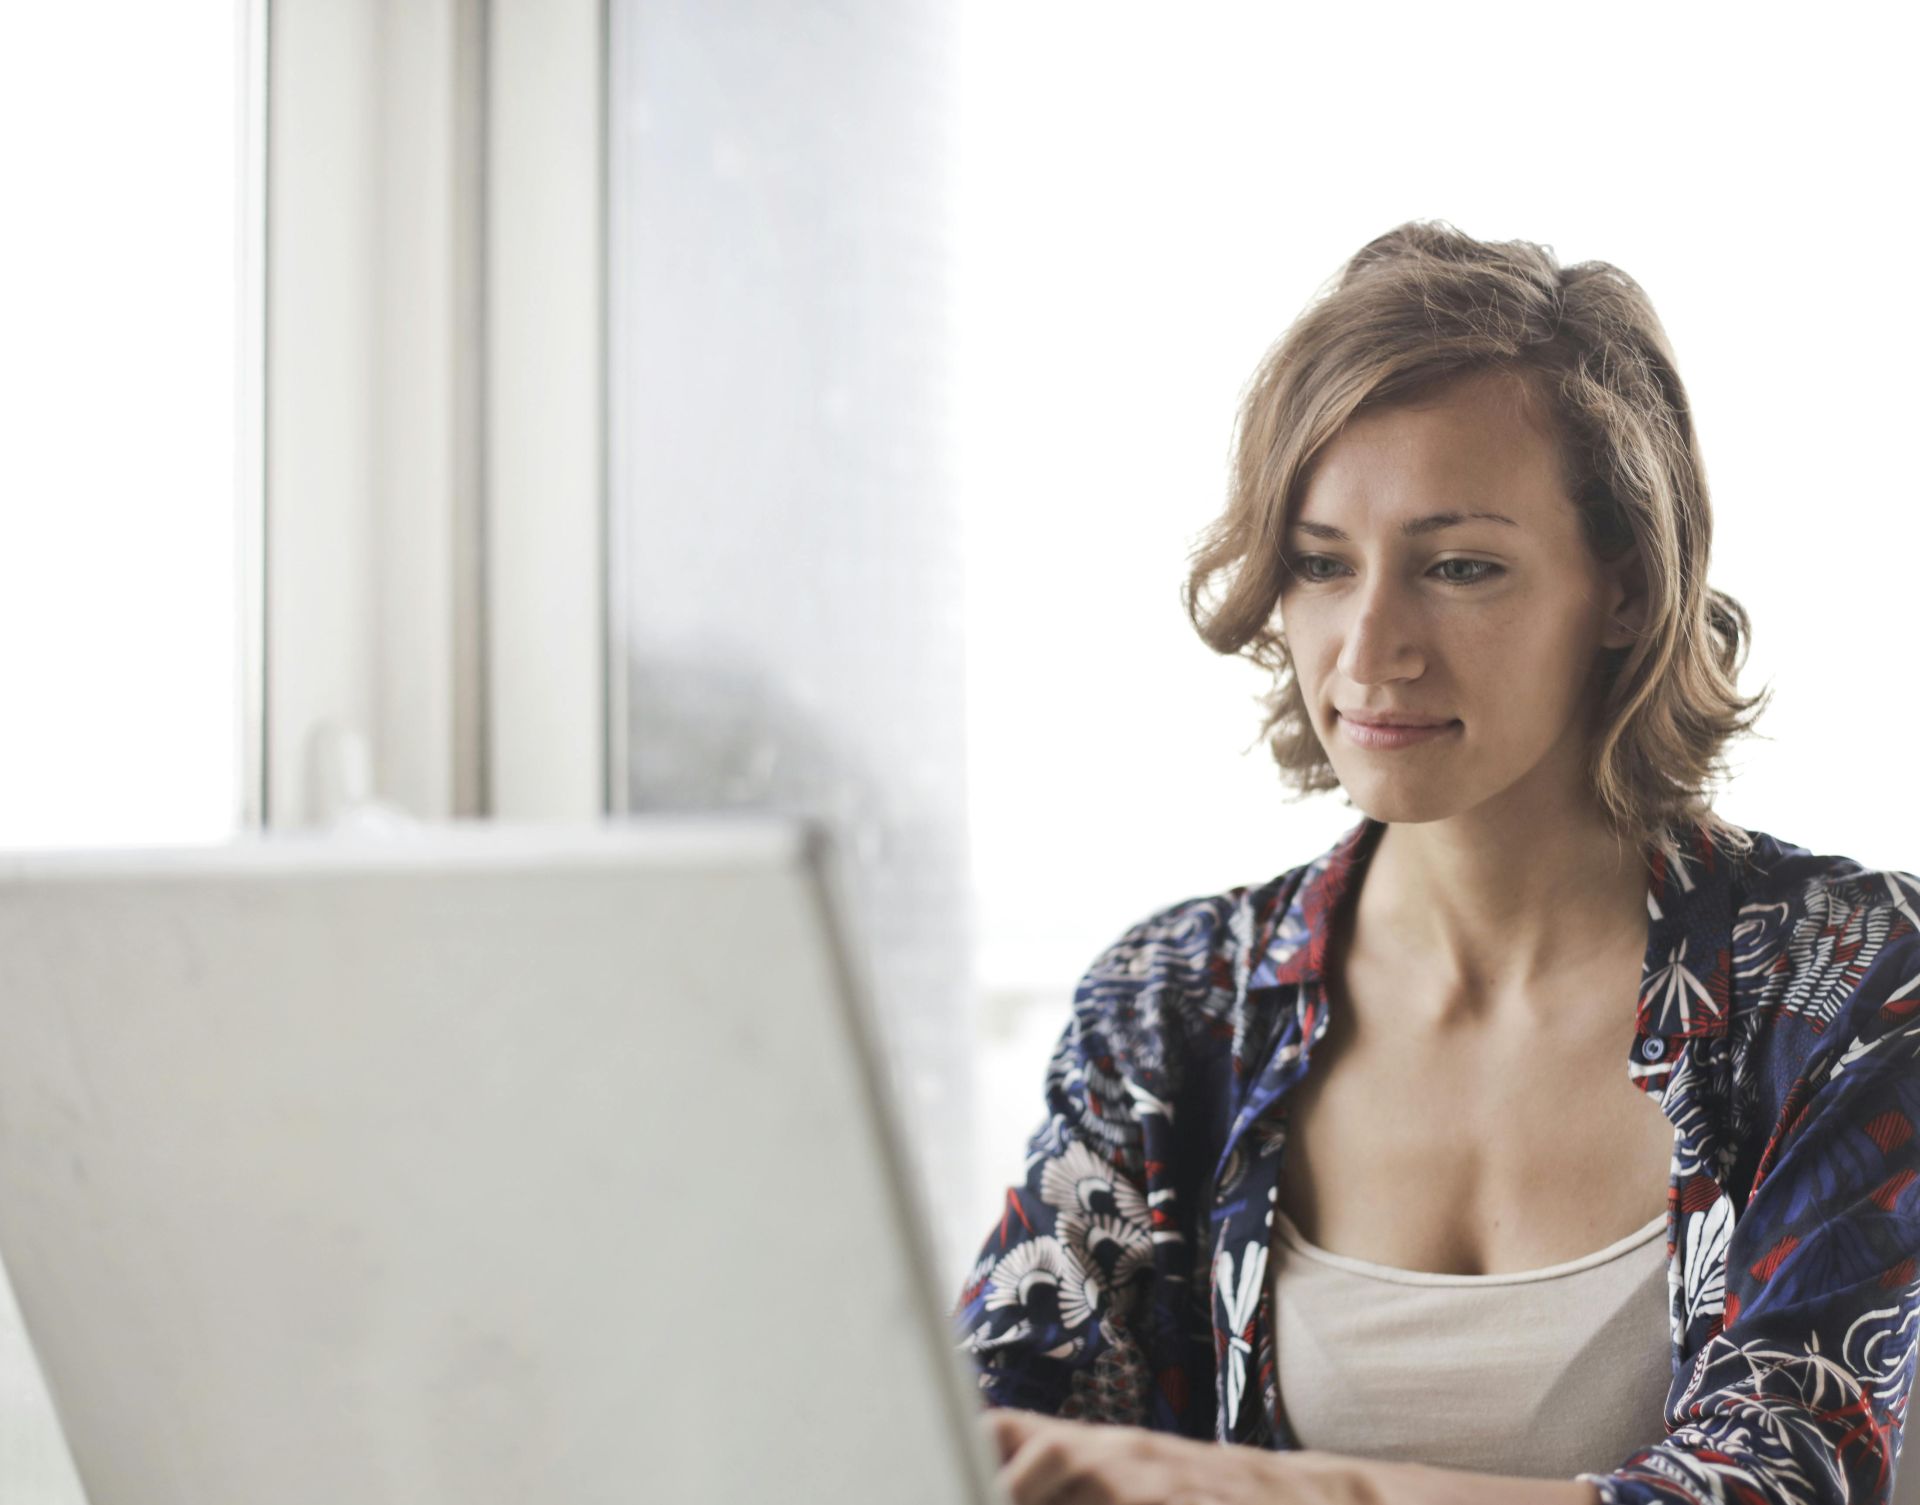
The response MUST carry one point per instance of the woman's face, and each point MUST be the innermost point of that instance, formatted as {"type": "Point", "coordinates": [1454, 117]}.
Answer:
{"type": "Point", "coordinates": [1439, 575]}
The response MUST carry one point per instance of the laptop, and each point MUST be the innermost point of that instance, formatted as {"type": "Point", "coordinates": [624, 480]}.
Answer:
{"type": "Point", "coordinates": [480, 1163]}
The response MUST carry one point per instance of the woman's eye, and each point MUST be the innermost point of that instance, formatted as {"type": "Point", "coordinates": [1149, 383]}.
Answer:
{"type": "Point", "coordinates": [1475, 570]}
{"type": "Point", "coordinates": [1308, 567]}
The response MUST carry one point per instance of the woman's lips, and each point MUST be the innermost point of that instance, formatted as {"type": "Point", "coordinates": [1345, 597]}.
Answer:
{"type": "Point", "coordinates": [1385, 738]}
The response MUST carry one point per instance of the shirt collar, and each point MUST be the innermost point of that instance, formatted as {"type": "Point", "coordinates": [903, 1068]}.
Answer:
{"type": "Point", "coordinates": [1686, 976]}
{"type": "Point", "coordinates": [1292, 944]}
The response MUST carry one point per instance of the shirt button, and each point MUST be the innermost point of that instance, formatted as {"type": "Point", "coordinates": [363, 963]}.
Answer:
{"type": "Point", "coordinates": [1653, 1048]}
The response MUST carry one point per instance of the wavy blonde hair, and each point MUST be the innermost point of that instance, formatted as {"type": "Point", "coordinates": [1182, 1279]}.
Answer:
{"type": "Point", "coordinates": [1424, 305]}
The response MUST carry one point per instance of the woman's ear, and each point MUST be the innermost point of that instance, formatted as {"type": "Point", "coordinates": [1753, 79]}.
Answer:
{"type": "Point", "coordinates": [1626, 601]}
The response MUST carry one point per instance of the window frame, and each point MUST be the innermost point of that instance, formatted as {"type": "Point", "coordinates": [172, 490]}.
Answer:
{"type": "Point", "coordinates": [424, 563]}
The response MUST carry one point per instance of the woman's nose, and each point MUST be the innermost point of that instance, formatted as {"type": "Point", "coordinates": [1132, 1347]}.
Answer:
{"type": "Point", "coordinates": [1381, 641]}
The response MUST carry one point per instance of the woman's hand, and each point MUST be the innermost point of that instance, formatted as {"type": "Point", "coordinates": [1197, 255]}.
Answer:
{"type": "Point", "coordinates": [1047, 1461]}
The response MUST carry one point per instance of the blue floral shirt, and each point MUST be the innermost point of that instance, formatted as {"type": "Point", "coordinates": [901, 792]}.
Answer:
{"type": "Point", "coordinates": [1778, 1027]}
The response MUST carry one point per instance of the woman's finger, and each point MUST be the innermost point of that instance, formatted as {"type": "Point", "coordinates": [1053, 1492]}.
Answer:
{"type": "Point", "coordinates": [1044, 1463]}
{"type": "Point", "coordinates": [1006, 1429]}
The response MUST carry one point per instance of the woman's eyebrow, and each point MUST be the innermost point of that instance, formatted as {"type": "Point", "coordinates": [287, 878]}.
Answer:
{"type": "Point", "coordinates": [1413, 527]}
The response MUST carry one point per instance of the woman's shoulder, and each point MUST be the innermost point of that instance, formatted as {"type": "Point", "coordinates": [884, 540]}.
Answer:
{"type": "Point", "coordinates": [1817, 935]}
{"type": "Point", "coordinates": [1165, 1009]}
{"type": "Point", "coordinates": [1212, 936]}
{"type": "Point", "coordinates": [1772, 867]}
{"type": "Point", "coordinates": [1200, 972]}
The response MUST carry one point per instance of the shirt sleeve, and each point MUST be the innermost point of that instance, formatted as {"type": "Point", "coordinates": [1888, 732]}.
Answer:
{"type": "Point", "coordinates": [1798, 1399]}
{"type": "Point", "coordinates": [1054, 1313]}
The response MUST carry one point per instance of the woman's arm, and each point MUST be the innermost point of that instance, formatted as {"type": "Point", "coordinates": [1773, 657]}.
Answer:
{"type": "Point", "coordinates": [1417, 1484]}
{"type": "Point", "coordinates": [1800, 1395]}
{"type": "Point", "coordinates": [1045, 1461]}
{"type": "Point", "coordinates": [1081, 1303]}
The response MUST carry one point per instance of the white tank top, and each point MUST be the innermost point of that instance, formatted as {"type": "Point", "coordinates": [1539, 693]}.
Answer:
{"type": "Point", "coordinates": [1542, 1373]}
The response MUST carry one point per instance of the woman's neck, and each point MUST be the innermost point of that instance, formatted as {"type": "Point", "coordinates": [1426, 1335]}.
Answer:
{"type": "Point", "coordinates": [1491, 908]}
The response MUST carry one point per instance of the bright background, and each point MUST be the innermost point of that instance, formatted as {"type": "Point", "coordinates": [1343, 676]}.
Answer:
{"type": "Point", "coordinates": [119, 633]}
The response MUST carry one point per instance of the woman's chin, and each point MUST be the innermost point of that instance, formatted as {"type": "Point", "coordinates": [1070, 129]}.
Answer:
{"type": "Point", "coordinates": [1401, 801]}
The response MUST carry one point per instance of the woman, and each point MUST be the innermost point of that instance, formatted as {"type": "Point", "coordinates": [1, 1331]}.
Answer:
{"type": "Point", "coordinates": [1368, 1167]}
